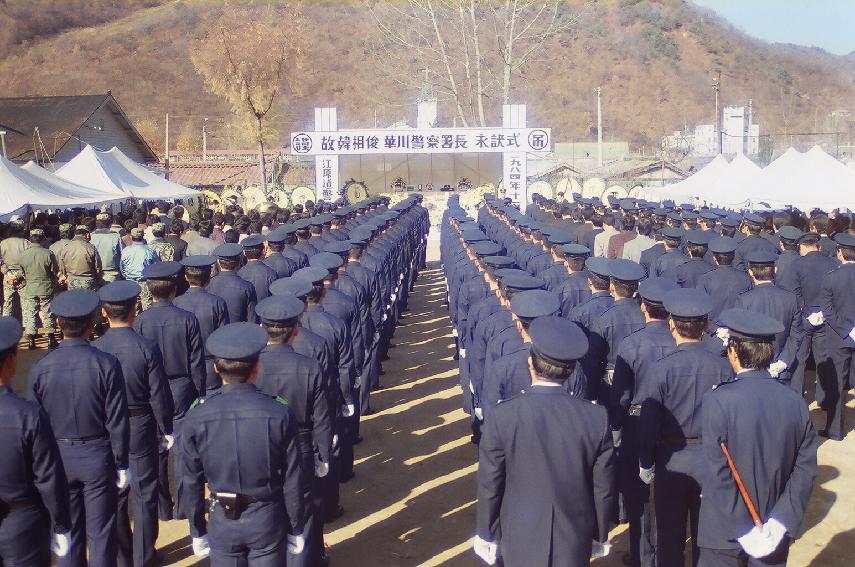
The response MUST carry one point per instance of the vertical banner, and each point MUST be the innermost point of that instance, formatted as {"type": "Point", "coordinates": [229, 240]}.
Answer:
{"type": "Point", "coordinates": [327, 186]}
{"type": "Point", "coordinates": [514, 163]}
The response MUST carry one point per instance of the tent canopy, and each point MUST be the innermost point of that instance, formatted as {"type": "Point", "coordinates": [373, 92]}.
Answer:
{"type": "Point", "coordinates": [21, 188]}
{"type": "Point", "coordinates": [685, 190]}
{"type": "Point", "coordinates": [726, 191]}
{"type": "Point", "coordinates": [114, 172]}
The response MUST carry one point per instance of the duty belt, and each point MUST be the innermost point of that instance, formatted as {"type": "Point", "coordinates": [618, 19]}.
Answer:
{"type": "Point", "coordinates": [82, 440]}
{"type": "Point", "coordinates": [10, 505]}
{"type": "Point", "coordinates": [304, 435]}
{"type": "Point", "coordinates": [233, 504]}
{"type": "Point", "coordinates": [137, 411]}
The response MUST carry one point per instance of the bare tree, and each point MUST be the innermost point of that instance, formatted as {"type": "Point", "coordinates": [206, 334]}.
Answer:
{"type": "Point", "coordinates": [250, 55]}
{"type": "Point", "coordinates": [475, 50]}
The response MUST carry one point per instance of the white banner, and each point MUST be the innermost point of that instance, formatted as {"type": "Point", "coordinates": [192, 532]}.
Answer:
{"type": "Point", "coordinates": [428, 141]}
{"type": "Point", "coordinates": [326, 178]}
{"type": "Point", "coordinates": [514, 179]}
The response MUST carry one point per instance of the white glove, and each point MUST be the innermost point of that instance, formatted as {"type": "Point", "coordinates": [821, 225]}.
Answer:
{"type": "Point", "coordinates": [646, 475]}
{"type": "Point", "coordinates": [486, 550]}
{"type": "Point", "coordinates": [296, 543]}
{"type": "Point", "coordinates": [123, 478]}
{"type": "Point", "coordinates": [454, 331]}
{"type": "Point", "coordinates": [321, 469]}
{"type": "Point", "coordinates": [617, 435]}
{"type": "Point", "coordinates": [759, 542]}
{"type": "Point", "coordinates": [723, 333]}
{"type": "Point", "coordinates": [463, 353]}
{"type": "Point", "coordinates": [601, 549]}
{"type": "Point", "coordinates": [776, 530]}
{"type": "Point", "coordinates": [394, 297]}
{"type": "Point", "coordinates": [168, 441]}
{"type": "Point", "coordinates": [335, 440]}
{"type": "Point", "coordinates": [348, 410]}
{"type": "Point", "coordinates": [376, 334]}
{"type": "Point", "coordinates": [777, 367]}
{"type": "Point", "coordinates": [60, 544]}
{"type": "Point", "coordinates": [479, 413]}
{"type": "Point", "coordinates": [201, 547]}
{"type": "Point", "coordinates": [401, 277]}
{"type": "Point", "coordinates": [385, 316]}
{"type": "Point", "coordinates": [816, 319]}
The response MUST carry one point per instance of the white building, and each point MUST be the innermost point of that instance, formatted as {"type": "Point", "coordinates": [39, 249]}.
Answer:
{"type": "Point", "coordinates": [739, 136]}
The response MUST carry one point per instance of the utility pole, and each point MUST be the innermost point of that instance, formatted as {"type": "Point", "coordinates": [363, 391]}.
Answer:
{"type": "Point", "coordinates": [599, 90]}
{"type": "Point", "coordinates": [205, 140]}
{"type": "Point", "coordinates": [717, 88]}
{"type": "Point", "coordinates": [166, 158]}
{"type": "Point", "coordinates": [3, 141]}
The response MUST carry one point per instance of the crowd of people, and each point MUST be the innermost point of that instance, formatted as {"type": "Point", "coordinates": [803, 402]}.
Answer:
{"type": "Point", "coordinates": [645, 363]}
{"type": "Point", "coordinates": [208, 367]}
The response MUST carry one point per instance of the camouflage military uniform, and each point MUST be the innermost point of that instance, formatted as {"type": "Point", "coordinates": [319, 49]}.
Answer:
{"type": "Point", "coordinates": [81, 264]}
{"type": "Point", "coordinates": [164, 250]}
{"type": "Point", "coordinates": [40, 269]}
{"type": "Point", "coordinates": [13, 277]}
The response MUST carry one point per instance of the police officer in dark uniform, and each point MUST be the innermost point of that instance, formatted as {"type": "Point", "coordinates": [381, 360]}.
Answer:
{"type": "Point", "coordinates": [636, 355]}
{"type": "Point", "coordinates": [665, 265]}
{"type": "Point", "coordinates": [82, 391]}
{"type": "Point", "coordinates": [275, 259]}
{"type": "Point", "coordinates": [518, 478]}
{"type": "Point", "coordinates": [724, 283]}
{"type": "Point", "coordinates": [176, 333]}
{"type": "Point", "coordinates": [574, 290]}
{"type": "Point", "coordinates": [753, 241]}
{"type": "Point", "coordinates": [670, 425]}
{"type": "Point", "coordinates": [210, 310]}
{"type": "Point", "coordinates": [767, 430]}
{"type": "Point", "coordinates": [33, 487]}
{"type": "Point", "coordinates": [150, 409]}
{"type": "Point", "coordinates": [256, 496]}
{"type": "Point", "coordinates": [289, 251]}
{"type": "Point", "coordinates": [689, 273]}
{"type": "Point", "coordinates": [256, 272]}
{"type": "Point", "coordinates": [299, 380]}
{"type": "Point", "coordinates": [238, 293]}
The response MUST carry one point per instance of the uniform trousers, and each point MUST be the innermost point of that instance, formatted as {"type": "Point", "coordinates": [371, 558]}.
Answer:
{"type": "Point", "coordinates": [636, 498]}
{"type": "Point", "coordinates": [10, 294]}
{"type": "Point", "coordinates": [678, 499]}
{"type": "Point", "coordinates": [35, 307]}
{"type": "Point", "coordinates": [314, 530]}
{"type": "Point", "coordinates": [137, 549]}
{"type": "Point", "coordinates": [257, 538]}
{"type": "Point", "coordinates": [738, 558]}
{"type": "Point", "coordinates": [836, 387]}
{"type": "Point", "coordinates": [91, 474]}
{"type": "Point", "coordinates": [24, 535]}
{"type": "Point", "coordinates": [813, 344]}
{"type": "Point", "coordinates": [183, 395]}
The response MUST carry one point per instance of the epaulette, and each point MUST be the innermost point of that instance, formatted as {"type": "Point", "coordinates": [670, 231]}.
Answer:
{"type": "Point", "coordinates": [282, 400]}
{"type": "Point", "coordinates": [196, 402]}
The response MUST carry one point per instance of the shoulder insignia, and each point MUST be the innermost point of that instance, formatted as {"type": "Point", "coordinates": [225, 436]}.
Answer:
{"type": "Point", "coordinates": [594, 402]}
{"type": "Point", "coordinates": [196, 402]}
{"type": "Point", "coordinates": [282, 400]}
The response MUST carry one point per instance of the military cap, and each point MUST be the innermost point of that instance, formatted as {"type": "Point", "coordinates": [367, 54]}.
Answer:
{"type": "Point", "coordinates": [486, 248]}
{"type": "Point", "coordinates": [574, 250]}
{"type": "Point", "coordinates": [232, 250]}
{"type": "Point", "coordinates": [298, 287]}
{"type": "Point", "coordinates": [82, 228]}
{"type": "Point", "coordinates": [688, 304]}
{"type": "Point", "coordinates": [508, 272]}
{"type": "Point", "coordinates": [598, 266]}
{"type": "Point", "coordinates": [75, 303]}
{"type": "Point", "coordinates": [626, 270]}
{"type": "Point", "coordinates": [709, 215]}
{"type": "Point", "coordinates": [699, 237]}
{"type": "Point", "coordinates": [560, 237]}
{"type": "Point", "coordinates": [198, 261]}
{"type": "Point", "coordinates": [761, 256]}
{"type": "Point", "coordinates": [523, 282]}
{"type": "Point", "coordinates": [119, 291]}
{"type": "Point", "coordinates": [338, 247]}
{"type": "Point", "coordinates": [158, 227]}
{"type": "Point", "coordinates": [237, 341]}
{"type": "Point", "coordinates": [65, 227]}
{"type": "Point", "coordinates": [498, 261]}
{"type": "Point", "coordinates": [752, 218]}
{"type": "Point", "coordinates": [162, 270]}
{"type": "Point", "coordinates": [790, 233]}
{"type": "Point", "coordinates": [313, 274]}
{"type": "Point", "coordinates": [16, 221]}
{"type": "Point", "coordinates": [36, 232]}
{"type": "Point", "coordinates": [750, 326]}
{"type": "Point", "coordinates": [326, 260]}
{"type": "Point", "coordinates": [655, 290]}
{"type": "Point", "coordinates": [136, 233]}
{"type": "Point", "coordinates": [557, 339]}
{"type": "Point", "coordinates": [10, 333]}
{"type": "Point", "coordinates": [535, 303]}
{"type": "Point", "coordinates": [102, 216]}
{"type": "Point", "coordinates": [253, 241]}
{"type": "Point", "coordinates": [279, 308]}
{"type": "Point", "coordinates": [672, 233]}
{"type": "Point", "coordinates": [722, 245]}
{"type": "Point", "coordinates": [845, 240]}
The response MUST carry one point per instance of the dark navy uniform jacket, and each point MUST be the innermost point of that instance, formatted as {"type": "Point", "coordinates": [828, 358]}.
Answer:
{"type": "Point", "coordinates": [142, 370]}
{"type": "Point", "coordinates": [804, 278]}
{"type": "Point", "coordinates": [586, 314]}
{"type": "Point", "coordinates": [344, 307]}
{"type": "Point", "coordinates": [671, 414]}
{"type": "Point", "coordinates": [212, 313]}
{"type": "Point", "coordinates": [244, 442]}
{"type": "Point", "coordinates": [337, 335]}
{"type": "Point", "coordinates": [573, 291]}
{"type": "Point", "coordinates": [649, 256]}
{"type": "Point", "coordinates": [238, 294]}
{"type": "Point", "coordinates": [664, 266]}
{"type": "Point", "coordinates": [306, 248]}
{"type": "Point", "coordinates": [546, 478]}
{"type": "Point", "coordinates": [307, 343]}
{"type": "Point", "coordinates": [723, 285]}
{"type": "Point", "coordinates": [769, 434]}
{"type": "Point", "coordinates": [368, 280]}
{"type": "Point", "coordinates": [177, 334]}
{"type": "Point", "coordinates": [260, 275]}
{"type": "Point", "coordinates": [283, 266]}
{"type": "Point", "coordinates": [636, 355]}
{"type": "Point", "coordinates": [784, 261]}
{"type": "Point", "coordinates": [783, 306]}
{"type": "Point", "coordinates": [508, 377]}
{"type": "Point", "coordinates": [296, 256]}
{"type": "Point", "coordinates": [554, 276]}
{"type": "Point", "coordinates": [690, 273]}
{"type": "Point", "coordinates": [82, 391]}
{"type": "Point", "coordinates": [750, 244]}
{"type": "Point", "coordinates": [31, 468]}
{"type": "Point", "coordinates": [838, 301]}
{"type": "Point", "coordinates": [299, 380]}
{"type": "Point", "coordinates": [619, 321]}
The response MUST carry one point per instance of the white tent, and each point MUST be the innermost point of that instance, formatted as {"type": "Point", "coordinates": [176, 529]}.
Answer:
{"type": "Point", "coordinates": [727, 191]}
{"type": "Point", "coordinates": [113, 172]}
{"type": "Point", "coordinates": [685, 190]}
{"type": "Point", "coordinates": [68, 187]}
{"type": "Point", "coordinates": [20, 189]}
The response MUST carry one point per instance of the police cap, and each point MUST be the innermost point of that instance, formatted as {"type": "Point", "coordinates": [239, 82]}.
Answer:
{"type": "Point", "coordinates": [535, 303]}
{"type": "Point", "coordinates": [279, 308]}
{"type": "Point", "coordinates": [313, 274]}
{"type": "Point", "coordinates": [231, 250]}
{"type": "Point", "coordinates": [119, 291]}
{"type": "Point", "coordinates": [655, 290]}
{"type": "Point", "coordinates": [523, 282]}
{"type": "Point", "coordinates": [10, 333]}
{"type": "Point", "coordinates": [672, 233]}
{"type": "Point", "coordinates": [750, 325]}
{"type": "Point", "coordinates": [75, 303]}
{"type": "Point", "coordinates": [761, 257]}
{"type": "Point", "coordinates": [198, 261]}
{"type": "Point", "coordinates": [253, 241]}
{"type": "Point", "coordinates": [298, 287]}
{"type": "Point", "coordinates": [560, 237]}
{"type": "Point", "coordinates": [790, 233]}
{"type": "Point", "coordinates": [237, 341]}
{"type": "Point", "coordinates": [326, 260]}
{"type": "Point", "coordinates": [338, 247]}
{"type": "Point", "coordinates": [598, 266]}
{"type": "Point", "coordinates": [626, 270]}
{"type": "Point", "coordinates": [722, 245]}
{"type": "Point", "coordinates": [574, 250]}
{"type": "Point", "coordinates": [688, 304]}
{"type": "Point", "coordinates": [845, 240]}
{"type": "Point", "coordinates": [486, 248]}
{"type": "Point", "coordinates": [498, 261]}
{"type": "Point", "coordinates": [502, 273]}
{"type": "Point", "coordinates": [556, 339]}
{"type": "Point", "coordinates": [755, 219]}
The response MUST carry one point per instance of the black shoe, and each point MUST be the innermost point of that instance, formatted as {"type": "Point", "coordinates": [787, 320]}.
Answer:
{"type": "Point", "coordinates": [31, 342]}
{"type": "Point", "coordinates": [334, 515]}
{"type": "Point", "coordinates": [52, 343]}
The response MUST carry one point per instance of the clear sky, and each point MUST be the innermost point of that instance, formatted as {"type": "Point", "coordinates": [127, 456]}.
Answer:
{"type": "Point", "coordinates": [829, 24]}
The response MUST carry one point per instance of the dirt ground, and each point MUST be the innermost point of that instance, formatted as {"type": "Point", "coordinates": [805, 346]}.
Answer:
{"type": "Point", "coordinates": [412, 502]}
